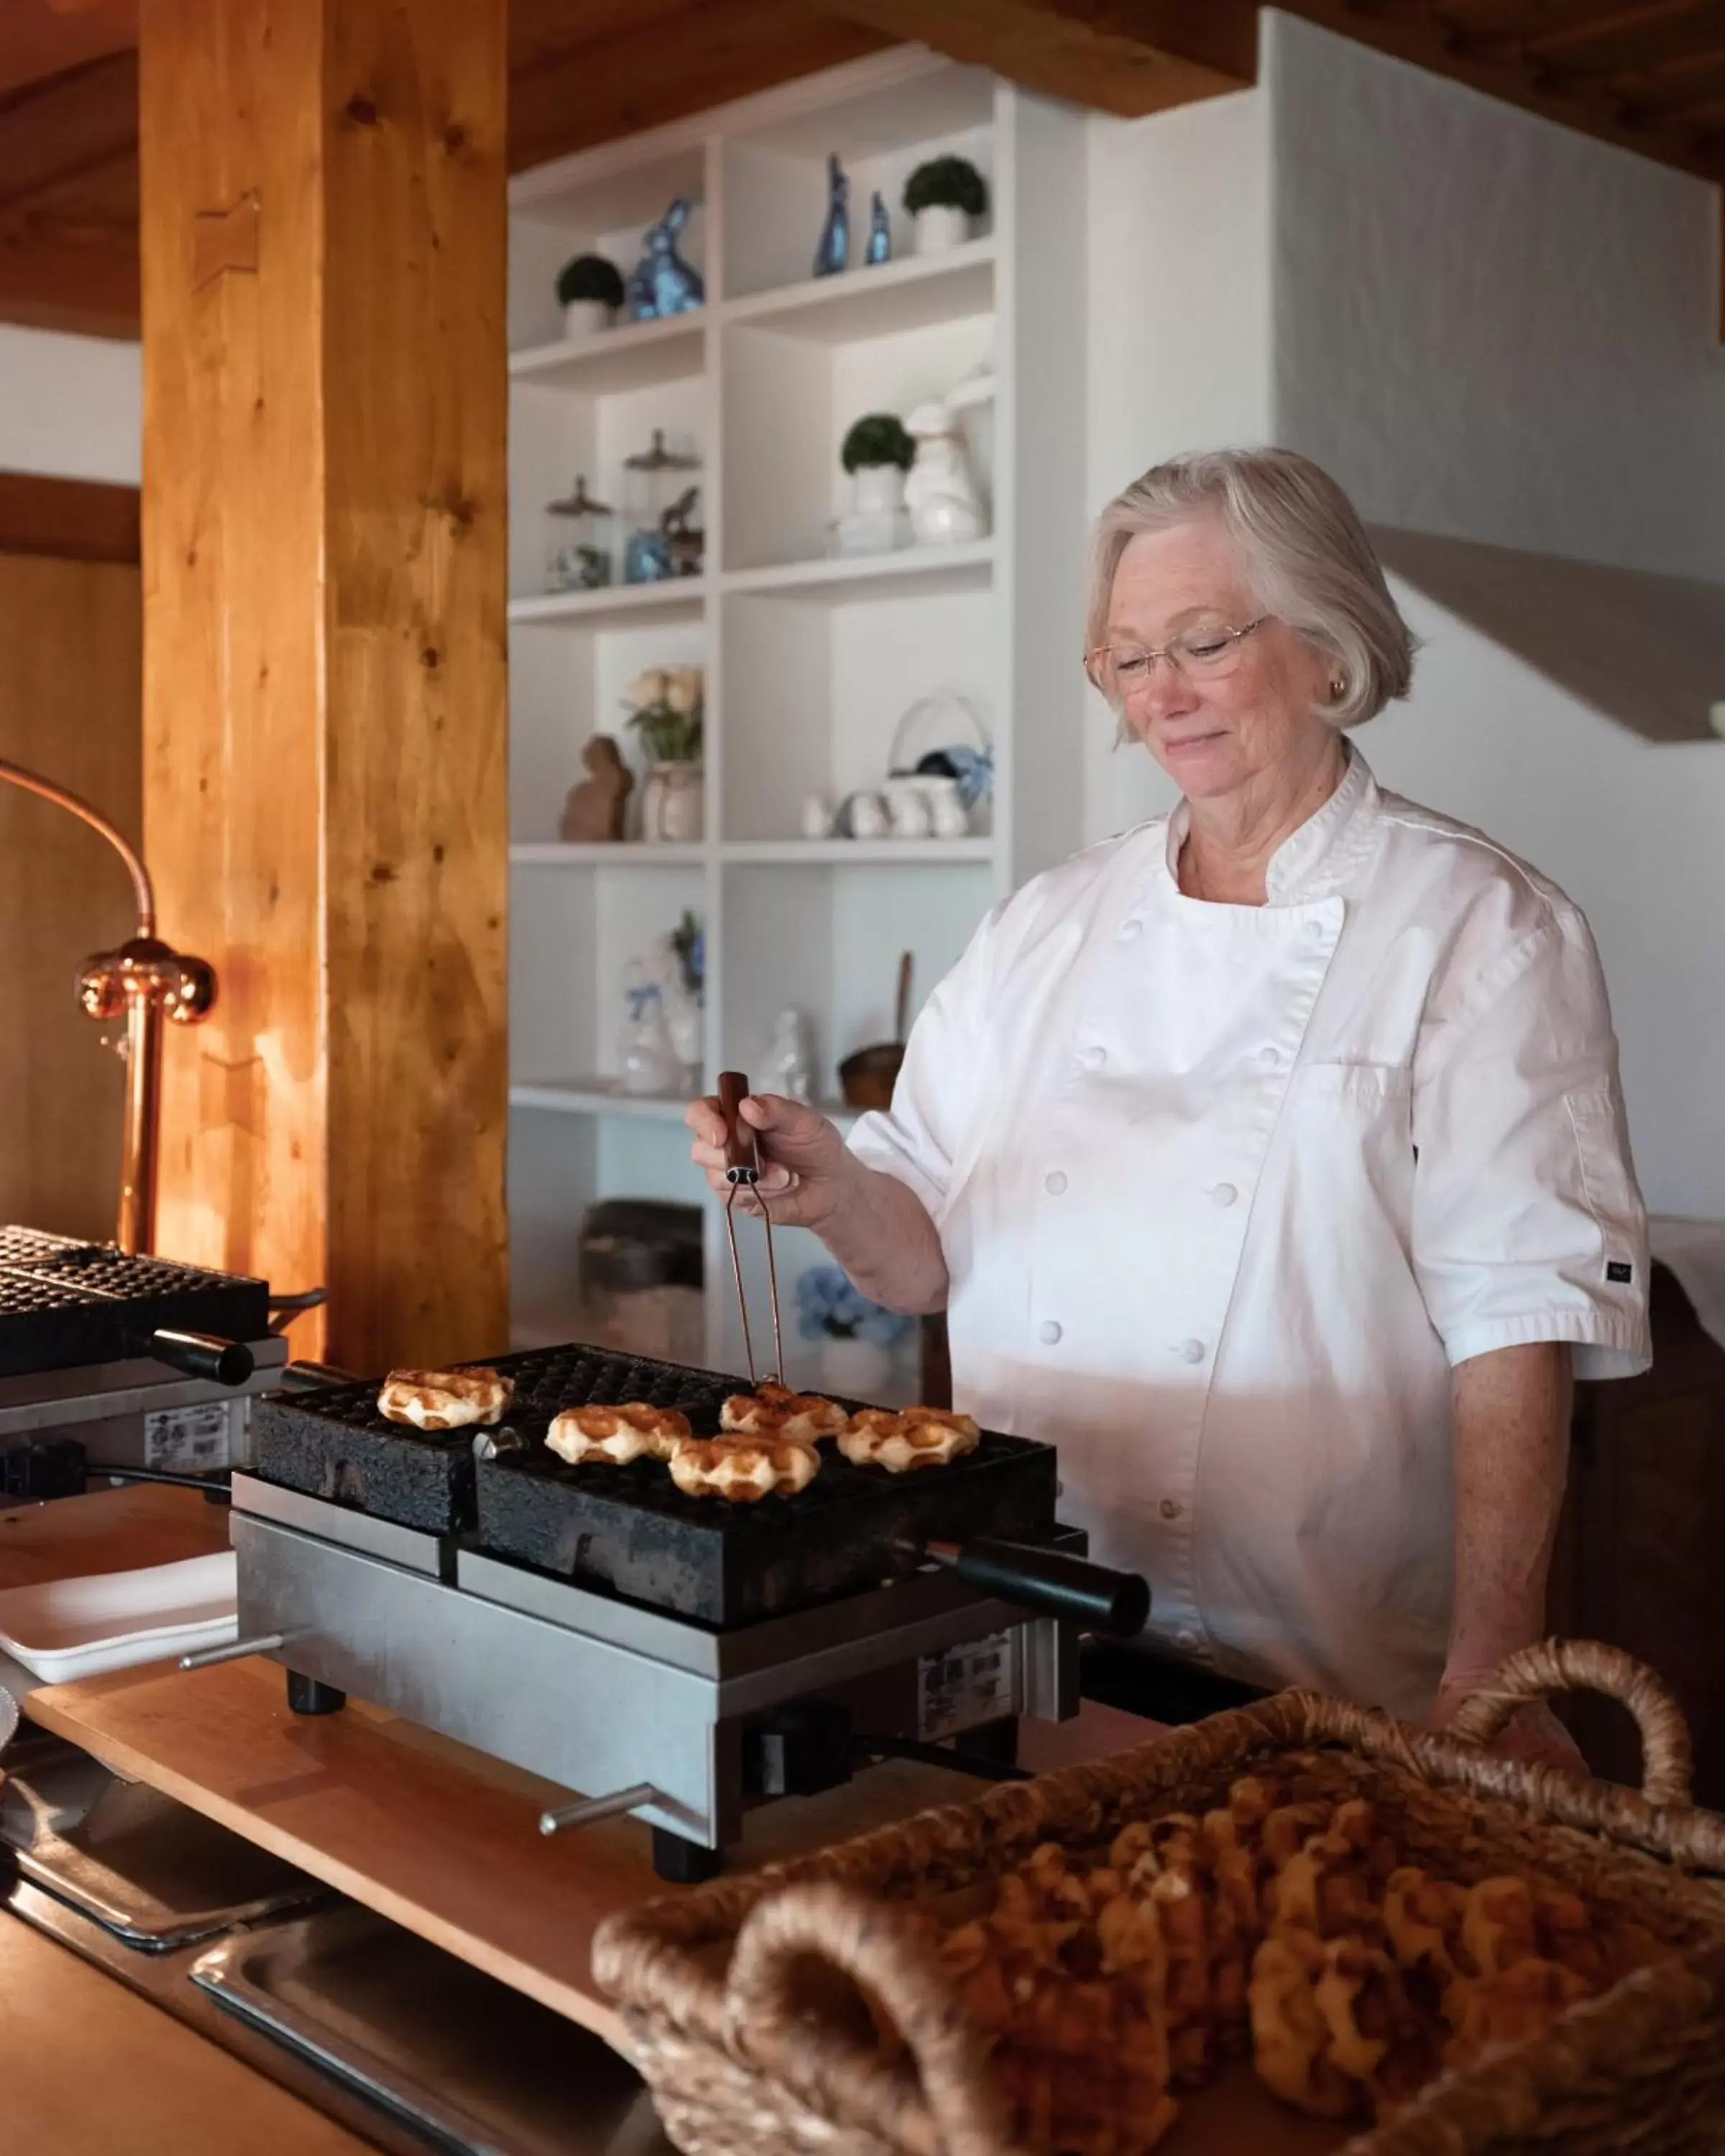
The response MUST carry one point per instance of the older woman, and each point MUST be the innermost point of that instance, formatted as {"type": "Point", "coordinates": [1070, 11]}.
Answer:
{"type": "Point", "coordinates": [1270, 1159]}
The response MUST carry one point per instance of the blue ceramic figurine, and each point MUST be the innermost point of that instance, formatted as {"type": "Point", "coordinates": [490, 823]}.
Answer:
{"type": "Point", "coordinates": [880, 246]}
{"type": "Point", "coordinates": [833, 255]}
{"type": "Point", "coordinates": [662, 283]}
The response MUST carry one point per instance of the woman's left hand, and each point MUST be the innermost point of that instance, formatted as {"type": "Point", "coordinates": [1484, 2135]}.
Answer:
{"type": "Point", "coordinates": [1533, 1735]}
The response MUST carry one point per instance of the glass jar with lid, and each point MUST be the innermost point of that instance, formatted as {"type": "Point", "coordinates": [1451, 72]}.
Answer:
{"type": "Point", "coordinates": [579, 542]}
{"type": "Point", "coordinates": [662, 506]}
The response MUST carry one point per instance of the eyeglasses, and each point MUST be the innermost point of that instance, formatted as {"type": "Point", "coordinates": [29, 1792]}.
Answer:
{"type": "Point", "coordinates": [1123, 671]}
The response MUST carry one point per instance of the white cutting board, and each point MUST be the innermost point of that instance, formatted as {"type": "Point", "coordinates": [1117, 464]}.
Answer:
{"type": "Point", "coordinates": [61, 1629]}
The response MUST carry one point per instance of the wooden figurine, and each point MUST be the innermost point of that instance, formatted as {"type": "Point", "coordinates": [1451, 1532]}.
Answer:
{"type": "Point", "coordinates": [594, 809]}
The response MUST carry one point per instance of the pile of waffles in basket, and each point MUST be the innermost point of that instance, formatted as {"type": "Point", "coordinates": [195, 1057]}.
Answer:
{"type": "Point", "coordinates": [768, 1443]}
{"type": "Point", "coordinates": [1284, 1923]}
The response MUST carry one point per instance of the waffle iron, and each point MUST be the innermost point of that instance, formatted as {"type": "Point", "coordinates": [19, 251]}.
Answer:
{"type": "Point", "coordinates": [680, 1658]}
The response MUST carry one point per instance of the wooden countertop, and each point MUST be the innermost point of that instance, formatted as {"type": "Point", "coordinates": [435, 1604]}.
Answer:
{"type": "Point", "coordinates": [108, 2071]}
{"type": "Point", "coordinates": [440, 1839]}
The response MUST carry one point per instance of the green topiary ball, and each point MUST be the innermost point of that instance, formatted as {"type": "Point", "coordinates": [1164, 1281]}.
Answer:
{"type": "Point", "coordinates": [590, 277]}
{"type": "Point", "coordinates": [946, 183]}
{"type": "Point", "coordinates": [878, 438]}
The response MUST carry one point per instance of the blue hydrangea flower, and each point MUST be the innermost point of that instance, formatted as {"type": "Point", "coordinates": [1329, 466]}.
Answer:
{"type": "Point", "coordinates": [830, 1308]}
{"type": "Point", "coordinates": [974, 770]}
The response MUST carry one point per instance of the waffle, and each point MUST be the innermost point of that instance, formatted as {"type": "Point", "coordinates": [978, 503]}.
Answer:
{"type": "Point", "coordinates": [918, 1437]}
{"type": "Point", "coordinates": [617, 1434]}
{"type": "Point", "coordinates": [1282, 1922]}
{"type": "Point", "coordinates": [774, 1411]}
{"type": "Point", "coordinates": [743, 1470]}
{"type": "Point", "coordinates": [445, 1399]}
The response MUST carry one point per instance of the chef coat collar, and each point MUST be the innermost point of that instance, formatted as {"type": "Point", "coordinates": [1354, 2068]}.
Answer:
{"type": "Point", "coordinates": [1324, 853]}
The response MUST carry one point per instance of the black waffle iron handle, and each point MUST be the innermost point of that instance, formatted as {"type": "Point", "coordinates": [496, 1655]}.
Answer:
{"type": "Point", "coordinates": [1052, 1582]}
{"type": "Point", "coordinates": [202, 1355]}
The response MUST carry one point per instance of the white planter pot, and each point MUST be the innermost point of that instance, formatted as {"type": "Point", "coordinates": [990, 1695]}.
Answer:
{"type": "Point", "coordinates": [876, 521]}
{"type": "Point", "coordinates": [585, 318]}
{"type": "Point", "coordinates": [856, 1369]}
{"type": "Point", "coordinates": [673, 810]}
{"type": "Point", "coordinates": [878, 490]}
{"type": "Point", "coordinates": [935, 229]}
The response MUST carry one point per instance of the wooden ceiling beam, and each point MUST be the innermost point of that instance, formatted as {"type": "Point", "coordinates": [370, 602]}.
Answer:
{"type": "Point", "coordinates": [1126, 57]}
{"type": "Point", "coordinates": [73, 124]}
{"type": "Point", "coordinates": [683, 63]}
{"type": "Point", "coordinates": [1554, 32]}
{"type": "Point", "coordinates": [49, 283]}
{"type": "Point", "coordinates": [73, 519]}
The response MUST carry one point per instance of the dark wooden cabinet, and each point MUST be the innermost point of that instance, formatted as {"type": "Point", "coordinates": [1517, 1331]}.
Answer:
{"type": "Point", "coordinates": [1640, 1554]}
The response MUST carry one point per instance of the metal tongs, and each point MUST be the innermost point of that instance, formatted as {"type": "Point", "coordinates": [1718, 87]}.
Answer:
{"type": "Point", "coordinates": [743, 1171]}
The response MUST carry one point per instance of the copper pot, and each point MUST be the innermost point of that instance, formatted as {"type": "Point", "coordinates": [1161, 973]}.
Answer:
{"type": "Point", "coordinates": [867, 1076]}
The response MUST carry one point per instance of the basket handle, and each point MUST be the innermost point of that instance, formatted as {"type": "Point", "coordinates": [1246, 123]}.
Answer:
{"type": "Point", "coordinates": [871, 1943]}
{"type": "Point", "coordinates": [1588, 1666]}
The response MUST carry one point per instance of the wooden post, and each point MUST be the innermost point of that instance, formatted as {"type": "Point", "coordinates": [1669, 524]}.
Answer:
{"type": "Point", "coordinates": [325, 386]}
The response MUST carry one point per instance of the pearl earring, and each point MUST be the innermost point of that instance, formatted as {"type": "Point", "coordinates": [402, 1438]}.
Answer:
{"type": "Point", "coordinates": [1338, 687]}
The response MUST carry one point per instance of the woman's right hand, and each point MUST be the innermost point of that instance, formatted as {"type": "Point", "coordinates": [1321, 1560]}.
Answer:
{"type": "Point", "coordinates": [803, 1160]}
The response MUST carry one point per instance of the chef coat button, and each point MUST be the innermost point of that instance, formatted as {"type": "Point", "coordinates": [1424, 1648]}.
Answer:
{"type": "Point", "coordinates": [1048, 1333]}
{"type": "Point", "coordinates": [1170, 1508]}
{"type": "Point", "coordinates": [1269, 1056]}
{"type": "Point", "coordinates": [1054, 1184]}
{"type": "Point", "coordinates": [1225, 1193]}
{"type": "Point", "coordinates": [1314, 932]}
{"type": "Point", "coordinates": [1128, 929]}
{"type": "Point", "coordinates": [1093, 1059]}
{"type": "Point", "coordinates": [1186, 1637]}
{"type": "Point", "coordinates": [1190, 1351]}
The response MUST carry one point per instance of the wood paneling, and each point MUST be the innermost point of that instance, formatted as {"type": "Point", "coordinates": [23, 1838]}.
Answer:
{"type": "Point", "coordinates": [69, 709]}
{"type": "Point", "coordinates": [324, 553]}
{"type": "Point", "coordinates": [49, 282]}
{"type": "Point", "coordinates": [78, 520]}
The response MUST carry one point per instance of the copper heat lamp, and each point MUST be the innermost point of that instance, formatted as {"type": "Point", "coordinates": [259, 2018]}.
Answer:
{"type": "Point", "coordinates": [148, 981]}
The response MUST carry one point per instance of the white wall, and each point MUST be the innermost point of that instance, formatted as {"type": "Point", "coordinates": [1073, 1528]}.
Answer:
{"type": "Point", "coordinates": [1488, 325]}
{"type": "Point", "coordinates": [71, 407]}
{"type": "Point", "coordinates": [1179, 335]}
{"type": "Point", "coordinates": [1631, 829]}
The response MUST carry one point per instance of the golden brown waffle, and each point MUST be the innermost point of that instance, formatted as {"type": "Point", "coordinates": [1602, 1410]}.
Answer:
{"type": "Point", "coordinates": [445, 1399]}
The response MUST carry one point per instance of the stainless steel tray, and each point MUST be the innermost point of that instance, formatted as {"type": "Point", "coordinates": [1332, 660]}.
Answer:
{"type": "Point", "coordinates": [473, 2066]}
{"type": "Point", "coordinates": [154, 1874]}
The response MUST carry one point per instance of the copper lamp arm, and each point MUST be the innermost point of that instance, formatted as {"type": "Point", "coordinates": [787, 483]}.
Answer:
{"type": "Point", "coordinates": [139, 875]}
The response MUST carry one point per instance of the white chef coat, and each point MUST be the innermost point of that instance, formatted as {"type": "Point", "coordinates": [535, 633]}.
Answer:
{"type": "Point", "coordinates": [1225, 1190]}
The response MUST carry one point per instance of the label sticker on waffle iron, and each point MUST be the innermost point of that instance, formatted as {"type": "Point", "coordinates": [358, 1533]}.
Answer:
{"type": "Point", "coordinates": [963, 1687]}
{"type": "Point", "coordinates": [190, 1441]}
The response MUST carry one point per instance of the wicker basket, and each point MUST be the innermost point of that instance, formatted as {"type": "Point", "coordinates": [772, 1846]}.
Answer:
{"type": "Point", "coordinates": [718, 1985]}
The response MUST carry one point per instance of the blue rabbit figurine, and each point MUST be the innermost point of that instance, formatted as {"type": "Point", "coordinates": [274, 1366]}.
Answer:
{"type": "Point", "coordinates": [879, 244]}
{"type": "Point", "coordinates": [662, 283]}
{"type": "Point", "coordinates": [833, 255]}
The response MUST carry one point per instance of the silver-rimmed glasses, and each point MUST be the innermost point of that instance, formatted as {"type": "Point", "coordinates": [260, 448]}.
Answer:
{"type": "Point", "coordinates": [1122, 671]}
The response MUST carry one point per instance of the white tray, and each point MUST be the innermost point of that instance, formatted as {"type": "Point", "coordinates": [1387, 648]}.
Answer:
{"type": "Point", "coordinates": [77, 1628]}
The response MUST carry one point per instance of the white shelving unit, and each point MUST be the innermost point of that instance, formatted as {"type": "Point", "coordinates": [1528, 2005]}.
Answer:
{"type": "Point", "coordinates": [810, 660]}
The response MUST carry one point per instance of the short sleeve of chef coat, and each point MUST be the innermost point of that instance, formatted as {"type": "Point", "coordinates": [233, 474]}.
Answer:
{"type": "Point", "coordinates": [920, 1139]}
{"type": "Point", "coordinates": [1528, 1223]}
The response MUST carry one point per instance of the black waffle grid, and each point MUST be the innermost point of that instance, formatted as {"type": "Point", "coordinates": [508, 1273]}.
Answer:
{"type": "Point", "coordinates": [547, 1380]}
{"type": "Point", "coordinates": [64, 1302]}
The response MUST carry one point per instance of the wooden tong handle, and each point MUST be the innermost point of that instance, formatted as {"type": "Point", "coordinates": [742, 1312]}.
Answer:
{"type": "Point", "coordinates": [742, 1158]}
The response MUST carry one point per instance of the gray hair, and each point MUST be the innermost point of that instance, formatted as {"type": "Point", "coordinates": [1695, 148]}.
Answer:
{"type": "Point", "coordinates": [1305, 551]}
